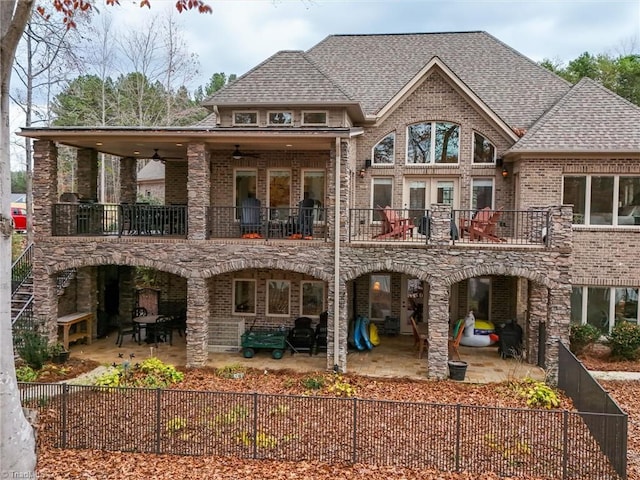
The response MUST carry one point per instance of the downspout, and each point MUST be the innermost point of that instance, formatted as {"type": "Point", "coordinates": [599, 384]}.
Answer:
{"type": "Point", "coordinates": [336, 260]}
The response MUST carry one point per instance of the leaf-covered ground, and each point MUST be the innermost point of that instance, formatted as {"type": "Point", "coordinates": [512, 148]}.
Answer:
{"type": "Point", "coordinates": [88, 464]}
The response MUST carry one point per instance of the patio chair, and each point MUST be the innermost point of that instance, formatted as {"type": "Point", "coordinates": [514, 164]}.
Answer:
{"type": "Point", "coordinates": [454, 341]}
{"type": "Point", "coordinates": [160, 331]}
{"type": "Point", "coordinates": [483, 226]}
{"type": "Point", "coordinates": [302, 336]}
{"type": "Point", "coordinates": [420, 340]}
{"type": "Point", "coordinates": [250, 221]}
{"type": "Point", "coordinates": [393, 225]}
{"type": "Point", "coordinates": [129, 327]}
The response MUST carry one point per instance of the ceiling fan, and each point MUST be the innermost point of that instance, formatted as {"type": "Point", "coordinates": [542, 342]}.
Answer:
{"type": "Point", "coordinates": [156, 156]}
{"type": "Point", "coordinates": [237, 154]}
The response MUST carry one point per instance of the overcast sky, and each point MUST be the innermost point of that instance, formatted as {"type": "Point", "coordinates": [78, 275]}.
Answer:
{"type": "Point", "coordinates": [242, 33]}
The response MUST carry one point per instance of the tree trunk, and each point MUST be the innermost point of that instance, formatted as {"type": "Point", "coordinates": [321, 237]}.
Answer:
{"type": "Point", "coordinates": [17, 440]}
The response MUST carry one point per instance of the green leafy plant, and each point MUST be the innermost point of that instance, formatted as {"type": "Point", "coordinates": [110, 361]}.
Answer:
{"type": "Point", "coordinates": [263, 440]}
{"type": "Point", "coordinates": [151, 373]}
{"type": "Point", "coordinates": [313, 383]}
{"type": "Point", "coordinates": [537, 394]}
{"type": "Point", "coordinates": [624, 341]}
{"type": "Point", "coordinates": [230, 371]}
{"type": "Point", "coordinates": [33, 349]}
{"type": "Point", "coordinates": [26, 374]}
{"type": "Point", "coordinates": [583, 336]}
{"type": "Point", "coordinates": [176, 424]}
{"type": "Point", "coordinates": [341, 387]}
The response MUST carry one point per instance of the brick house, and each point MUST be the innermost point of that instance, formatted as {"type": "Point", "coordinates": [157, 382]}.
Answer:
{"type": "Point", "coordinates": [437, 127]}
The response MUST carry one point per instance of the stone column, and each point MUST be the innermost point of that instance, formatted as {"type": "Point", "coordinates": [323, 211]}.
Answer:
{"type": "Point", "coordinates": [440, 224]}
{"type": "Point", "coordinates": [198, 190]}
{"type": "Point", "coordinates": [197, 321]}
{"type": "Point", "coordinates": [45, 296]}
{"type": "Point", "coordinates": [128, 180]}
{"type": "Point", "coordinates": [87, 293]}
{"type": "Point", "coordinates": [558, 328]}
{"type": "Point", "coordinates": [45, 186]}
{"type": "Point", "coordinates": [87, 165]}
{"type": "Point", "coordinates": [560, 221]}
{"type": "Point", "coordinates": [438, 353]}
{"type": "Point", "coordinates": [343, 328]}
{"type": "Point", "coordinates": [538, 313]}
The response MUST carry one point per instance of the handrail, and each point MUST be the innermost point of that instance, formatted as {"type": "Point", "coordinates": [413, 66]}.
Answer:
{"type": "Point", "coordinates": [27, 307]}
{"type": "Point", "coordinates": [21, 268]}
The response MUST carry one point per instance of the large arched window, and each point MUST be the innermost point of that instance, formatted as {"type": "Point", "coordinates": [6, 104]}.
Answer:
{"type": "Point", "coordinates": [483, 150]}
{"type": "Point", "coordinates": [433, 142]}
{"type": "Point", "coordinates": [384, 151]}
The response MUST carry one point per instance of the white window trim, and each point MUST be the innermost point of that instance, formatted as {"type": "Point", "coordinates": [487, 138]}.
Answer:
{"type": "Point", "coordinates": [269, 171]}
{"type": "Point", "coordinates": [324, 194]}
{"type": "Point", "coordinates": [612, 305]}
{"type": "Point", "coordinates": [473, 150]}
{"type": "Point", "coordinates": [233, 118]}
{"type": "Point", "coordinates": [326, 117]}
{"type": "Point", "coordinates": [279, 124]}
{"type": "Point", "coordinates": [233, 298]}
{"type": "Point", "coordinates": [235, 173]}
{"type": "Point", "coordinates": [432, 187]}
{"type": "Point", "coordinates": [493, 190]}
{"type": "Point", "coordinates": [432, 146]}
{"type": "Point", "coordinates": [374, 216]}
{"type": "Point", "coordinates": [301, 297]}
{"type": "Point", "coordinates": [393, 153]}
{"type": "Point", "coordinates": [279, 315]}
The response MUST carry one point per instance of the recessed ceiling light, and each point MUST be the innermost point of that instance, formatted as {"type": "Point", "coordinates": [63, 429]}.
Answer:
{"type": "Point", "coordinates": [178, 144]}
{"type": "Point", "coordinates": [136, 152]}
{"type": "Point", "coordinates": [98, 143]}
{"type": "Point", "coordinates": [288, 145]}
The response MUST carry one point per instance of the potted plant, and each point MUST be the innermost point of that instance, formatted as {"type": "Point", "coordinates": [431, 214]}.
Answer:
{"type": "Point", "coordinates": [58, 353]}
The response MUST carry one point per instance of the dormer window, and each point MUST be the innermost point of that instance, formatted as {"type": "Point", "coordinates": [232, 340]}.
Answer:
{"type": "Point", "coordinates": [280, 118]}
{"type": "Point", "coordinates": [483, 150]}
{"type": "Point", "coordinates": [433, 142]}
{"type": "Point", "coordinates": [314, 118]}
{"type": "Point", "coordinates": [384, 151]}
{"type": "Point", "coordinates": [245, 118]}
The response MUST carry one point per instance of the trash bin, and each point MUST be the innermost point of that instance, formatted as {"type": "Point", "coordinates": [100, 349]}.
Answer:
{"type": "Point", "coordinates": [457, 370]}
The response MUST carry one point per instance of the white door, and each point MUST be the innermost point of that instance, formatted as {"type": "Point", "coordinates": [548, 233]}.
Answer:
{"type": "Point", "coordinates": [421, 192]}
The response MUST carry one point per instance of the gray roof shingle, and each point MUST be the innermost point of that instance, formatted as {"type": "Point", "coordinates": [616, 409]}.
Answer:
{"type": "Point", "coordinates": [589, 118]}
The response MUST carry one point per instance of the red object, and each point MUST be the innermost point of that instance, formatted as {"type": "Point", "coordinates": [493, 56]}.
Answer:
{"type": "Point", "coordinates": [19, 216]}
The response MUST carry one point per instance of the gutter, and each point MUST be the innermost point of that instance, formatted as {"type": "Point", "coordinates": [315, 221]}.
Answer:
{"type": "Point", "coordinates": [336, 261]}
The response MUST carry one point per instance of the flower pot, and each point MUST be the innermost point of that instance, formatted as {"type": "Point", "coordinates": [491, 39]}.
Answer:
{"type": "Point", "coordinates": [457, 370]}
{"type": "Point", "coordinates": [60, 358]}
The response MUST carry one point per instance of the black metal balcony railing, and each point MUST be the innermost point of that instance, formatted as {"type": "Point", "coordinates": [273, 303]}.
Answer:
{"type": "Point", "coordinates": [76, 219]}
{"type": "Point", "coordinates": [268, 223]}
{"type": "Point", "coordinates": [510, 227]}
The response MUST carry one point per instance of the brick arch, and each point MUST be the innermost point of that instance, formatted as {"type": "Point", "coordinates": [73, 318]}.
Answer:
{"type": "Point", "coordinates": [497, 269]}
{"type": "Point", "coordinates": [268, 263]}
{"type": "Point", "coordinates": [119, 259]}
{"type": "Point", "coordinates": [386, 265]}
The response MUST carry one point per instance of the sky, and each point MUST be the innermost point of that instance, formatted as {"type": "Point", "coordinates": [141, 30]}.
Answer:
{"type": "Point", "coordinates": [240, 34]}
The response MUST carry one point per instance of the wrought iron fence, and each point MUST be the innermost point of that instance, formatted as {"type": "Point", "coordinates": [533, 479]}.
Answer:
{"type": "Point", "coordinates": [606, 421]}
{"type": "Point", "coordinates": [512, 227]}
{"type": "Point", "coordinates": [255, 222]}
{"type": "Point", "coordinates": [511, 442]}
{"type": "Point", "coordinates": [21, 268]}
{"type": "Point", "coordinates": [75, 219]}
{"type": "Point", "coordinates": [389, 225]}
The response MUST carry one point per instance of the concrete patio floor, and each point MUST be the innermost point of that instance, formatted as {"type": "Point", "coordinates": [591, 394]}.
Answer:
{"type": "Point", "coordinates": [395, 357]}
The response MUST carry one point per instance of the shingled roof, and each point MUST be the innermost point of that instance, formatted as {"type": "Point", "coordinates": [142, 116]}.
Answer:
{"type": "Point", "coordinates": [371, 69]}
{"type": "Point", "coordinates": [589, 118]}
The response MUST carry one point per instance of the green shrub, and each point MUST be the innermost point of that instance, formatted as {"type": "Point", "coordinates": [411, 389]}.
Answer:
{"type": "Point", "coordinates": [537, 394]}
{"type": "Point", "coordinates": [313, 383]}
{"type": "Point", "coordinates": [26, 374]}
{"type": "Point", "coordinates": [624, 341]}
{"type": "Point", "coordinates": [33, 349]}
{"type": "Point", "coordinates": [582, 336]}
{"type": "Point", "coordinates": [151, 373]}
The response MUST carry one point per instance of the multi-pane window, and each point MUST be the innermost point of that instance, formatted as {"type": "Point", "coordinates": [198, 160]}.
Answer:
{"type": "Point", "coordinates": [278, 297]}
{"type": "Point", "coordinates": [604, 307]}
{"type": "Point", "coordinates": [245, 185]}
{"type": "Point", "coordinates": [313, 183]}
{"type": "Point", "coordinates": [314, 118]}
{"type": "Point", "coordinates": [483, 150]}
{"type": "Point", "coordinates": [279, 193]}
{"type": "Point", "coordinates": [383, 151]}
{"type": "Point", "coordinates": [433, 142]}
{"type": "Point", "coordinates": [245, 118]}
{"type": "Point", "coordinates": [380, 296]}
{"type": "Point", "coordinates": [603, 199]}
{"type": "Point", "coordinates": [312, 301]}
{"type": "Point", "coordinates": [280, 118]}
{"type": "Point", "coordinates": [420, 193]}
{"type": "Point", "coordinates": [382, 191]}
{"type": "Point", "coordinates": [244, 297]}
{"type": "Point", "coordinates": [481, 193]}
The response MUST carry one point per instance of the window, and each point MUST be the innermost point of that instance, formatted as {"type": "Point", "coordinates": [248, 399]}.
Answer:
{"type": "Point", "coordinates": [382, 192]}
{"type": "Point", "coordinates": [420, 193]}
{"type": "Point", "coordinates": [244, 297]}
{"type": "Point", "coordinates": [279, 194]}
{"type": "Point", "coordinates": [246, 183]}
{"type": "Point", "coordinates": [433, 142]}
{"type": "Point", "coordinates": [479, 298]}
{"type": "Point", "coordinates": [481, 193]}
{"type": "Point", "coordinates": [379, 296]}
{"type": "Point", "coordinates": [483, 150]}
{"type": "Point", "coordinates": [313, 183]}
{"type": "Point", "coordinates": [312, 301]}
{"type": "Point", "coordinates": [278, 295]}
{"type": "Point", "coordinates": [314, 118]}
{"type": "Point", "coordinates": [384, 151]}
{"type": "Point", "coordinates": [245, 118]}
{"type": "Point", "coordinates": [603, 199]}
{"type": "Point", "coordinates": [603, 307]}
{"type": "Point", "coordinates": [280, 118]}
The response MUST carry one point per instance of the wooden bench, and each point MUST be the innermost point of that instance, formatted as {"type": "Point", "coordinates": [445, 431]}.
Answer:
{"type": "Point", "coordinates": [65, 323]}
